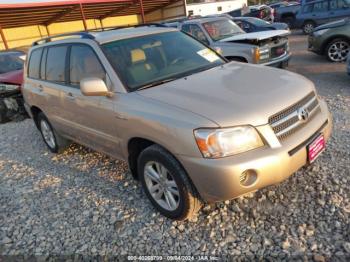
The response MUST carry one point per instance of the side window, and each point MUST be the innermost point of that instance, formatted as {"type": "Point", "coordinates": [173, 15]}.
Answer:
{"type": "Point", "coordinates": [43, 64]}
{"type": "Point", "coordinates": [321, 7]}
{"type": "Point", "coordinates": [196, 32]}
{"type": "Point", "coordinates": [56, 64]}
{"type": "Point", "coordinates": [34, 64]}
{"type": "Point", "coordinates": [84, 63]}
{"type": "Point", "coordinates": [338, 4]}
{"type": "Point", "coordinates": [308, 8]}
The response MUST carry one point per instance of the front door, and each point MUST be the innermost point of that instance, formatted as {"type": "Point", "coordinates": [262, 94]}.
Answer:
{"type": "Point", "coordinates": [90, 118]}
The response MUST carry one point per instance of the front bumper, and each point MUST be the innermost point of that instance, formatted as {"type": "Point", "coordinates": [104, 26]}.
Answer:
{"type": "Point", "coordinates": [280, 62]}
{"type": "Point", "coordinates": [220, 179]}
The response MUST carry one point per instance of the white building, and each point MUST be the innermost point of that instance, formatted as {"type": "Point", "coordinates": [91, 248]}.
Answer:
{"type": "Point", "coordinates": [210, 7]}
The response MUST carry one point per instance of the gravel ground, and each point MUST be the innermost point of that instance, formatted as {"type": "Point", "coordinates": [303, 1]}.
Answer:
{"type": "Point", "coordinates": [83, 202]}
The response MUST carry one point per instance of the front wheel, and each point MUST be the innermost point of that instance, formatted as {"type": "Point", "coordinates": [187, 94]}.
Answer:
{"type": "Point", "coordinates": [166, 184]}
{"type": "Point", "coordinates": [338, 50]}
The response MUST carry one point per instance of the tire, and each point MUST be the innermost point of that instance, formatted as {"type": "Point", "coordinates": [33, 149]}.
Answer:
{"type": "Point", "coordinates": [308, 27]}
{"type": "Point", "coordinates": [338, 50]}
{"type": "Point", "coordinates": [173, 178]}
{"type": "Point", "coordinates": [54, 141]}
{"type": "Point", "coordinates": [3, 112]}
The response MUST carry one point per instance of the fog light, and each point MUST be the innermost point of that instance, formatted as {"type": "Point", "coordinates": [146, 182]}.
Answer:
{"type": "Point", "coordinates": [248, 177]}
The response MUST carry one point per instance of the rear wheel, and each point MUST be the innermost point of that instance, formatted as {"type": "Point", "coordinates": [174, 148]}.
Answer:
{"type": "Point", "coordinates": [308, 27]}
{"type": "Point", "coordinates": [54, 141]}
{"type": "Point", "coordinates": [338, 50]}
{"type": "Point", "coordinates": [166, 184]}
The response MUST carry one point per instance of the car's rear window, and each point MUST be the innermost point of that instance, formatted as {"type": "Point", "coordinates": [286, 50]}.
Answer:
{"type": "Point", "coordinates": [10, 62]}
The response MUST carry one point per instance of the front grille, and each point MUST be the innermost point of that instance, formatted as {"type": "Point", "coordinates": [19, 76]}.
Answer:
{"type": "Point", "coordinates": [288, 121]}
{"type": "Point", "coordinates": [278, 51]}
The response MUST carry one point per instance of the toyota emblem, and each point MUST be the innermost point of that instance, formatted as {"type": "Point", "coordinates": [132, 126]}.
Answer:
{"type": "Point", "coordinates": [303, 114]}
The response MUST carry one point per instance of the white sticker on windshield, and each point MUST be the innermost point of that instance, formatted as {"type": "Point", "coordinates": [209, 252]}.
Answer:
{"type": "Point", "coordinates": [208, 55]}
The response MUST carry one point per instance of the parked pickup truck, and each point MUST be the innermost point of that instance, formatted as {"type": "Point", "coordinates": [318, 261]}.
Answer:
{"type": "Point", "coordinates": [223, 35]}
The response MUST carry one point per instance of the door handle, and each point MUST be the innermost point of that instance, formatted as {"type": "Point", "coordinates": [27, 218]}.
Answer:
{"type": "Point", "coordinates": [70, 96]}
{"type": "Point", "coordinates": [120, 116]}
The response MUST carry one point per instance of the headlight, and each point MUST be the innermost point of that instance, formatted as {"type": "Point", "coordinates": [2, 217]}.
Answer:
{"type": "Point", "coordinates": [261, 54]}
{"type": "Point", "coordinates": [216, 143]}
{"type": "Point", "coordinates": [6, 87]}
{"type": "Point", "coordinates": [320, 32]}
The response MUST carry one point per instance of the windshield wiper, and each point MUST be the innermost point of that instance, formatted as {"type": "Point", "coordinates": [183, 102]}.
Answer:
{"type": "Point", "coordinates": [156, 83]}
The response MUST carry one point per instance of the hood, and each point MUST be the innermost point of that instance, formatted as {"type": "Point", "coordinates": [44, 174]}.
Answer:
{"type": "Point", "coordinates": [258, 36]}
{"type": "Point", "coordinates": [333, 24]}
{"type": "Point", "coordinates": [14, 77]}
{"type": "Point", "coordinates": [234, 94]}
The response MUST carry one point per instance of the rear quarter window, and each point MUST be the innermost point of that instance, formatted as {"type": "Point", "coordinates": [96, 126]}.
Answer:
{"type": "Point", "coordinates": [34, 64]}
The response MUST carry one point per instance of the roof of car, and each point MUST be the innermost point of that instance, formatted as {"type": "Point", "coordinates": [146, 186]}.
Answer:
{"type": "Point", "coordinates": [205, 19]}
{"type": "Point", "coordinates": [131, 32]}
{"type": "Point", "coordinates": [245, 18]}
{"type": "Point", "coordinates": [11, 52]}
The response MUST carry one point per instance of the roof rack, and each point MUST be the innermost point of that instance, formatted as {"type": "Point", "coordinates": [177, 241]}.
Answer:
{"type": "Point", "coordinates": [126, 26]}
{"type": "Point", "coordinates": [83, 35]}
{"type": "Point", "coordinates": [87, 35]}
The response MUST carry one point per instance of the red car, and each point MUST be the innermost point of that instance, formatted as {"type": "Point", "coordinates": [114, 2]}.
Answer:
{"type": "Point", "coordinates": [11, 79]}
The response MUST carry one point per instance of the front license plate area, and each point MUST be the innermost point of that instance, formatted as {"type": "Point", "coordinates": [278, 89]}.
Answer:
{"type": "Point", "coordinates": [315, 148]}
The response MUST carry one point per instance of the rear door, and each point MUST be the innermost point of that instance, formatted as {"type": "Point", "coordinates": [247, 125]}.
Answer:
{"type": "Point", "coordinates": [320, 12]}
{"type": "Point", "coordinates": [45, 95]}
{"type": "Point", "coordinates": [338, 9]}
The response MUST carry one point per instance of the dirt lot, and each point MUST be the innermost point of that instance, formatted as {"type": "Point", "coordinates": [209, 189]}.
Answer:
{"type": "Point", "coordinates": [82, 202]}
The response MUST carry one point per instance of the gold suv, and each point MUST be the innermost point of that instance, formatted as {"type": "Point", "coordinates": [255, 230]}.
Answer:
{"type": "Point", "coordinates": [192, 126]}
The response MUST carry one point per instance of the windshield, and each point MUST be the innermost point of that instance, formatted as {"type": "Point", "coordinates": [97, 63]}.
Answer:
{"type": "Point", "coordinates": [221, 29]}
{"type": "Point", "coordinates": [10, 62]}
{"type": "Point", "coordinates": [258, 22]}
{"type": "Point", "coordinates": [145, 61]}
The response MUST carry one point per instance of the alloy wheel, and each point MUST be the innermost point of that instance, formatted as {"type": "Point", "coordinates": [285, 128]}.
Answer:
{"type": "Point", "coordinates": [338, 51]}
{"type": "Point", "coordinates": [161, 186]}
{"type": "Point", "coordinates": [47, 133]}
{"type": "Point", "coordinates": [308, 28]}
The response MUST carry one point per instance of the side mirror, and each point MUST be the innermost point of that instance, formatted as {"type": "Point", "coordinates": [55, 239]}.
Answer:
{"type": "Point", "coordinates": [93, 87]}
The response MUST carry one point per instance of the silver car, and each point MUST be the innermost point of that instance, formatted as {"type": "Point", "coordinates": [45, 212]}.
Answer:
{"type": "Point", "coordinates": [192, 127]}
{"type": "Point", "coordinates": [269, 48]}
